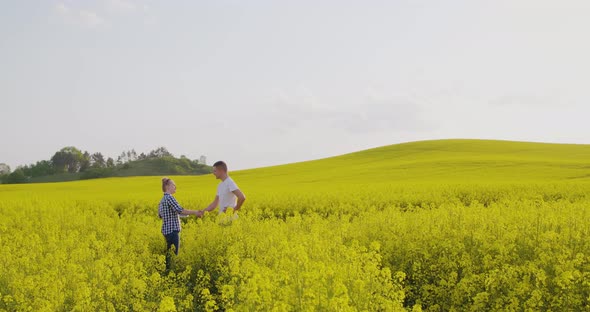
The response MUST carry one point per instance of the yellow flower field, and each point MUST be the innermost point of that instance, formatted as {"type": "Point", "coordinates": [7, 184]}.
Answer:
{"type": "Point", "coordinates": [451, 225]}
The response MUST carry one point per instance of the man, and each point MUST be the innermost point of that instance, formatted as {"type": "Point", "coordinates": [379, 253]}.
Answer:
{"type": "Point", "coordinates": [228, 193]}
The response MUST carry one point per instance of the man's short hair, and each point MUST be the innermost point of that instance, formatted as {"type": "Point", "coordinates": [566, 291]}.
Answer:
{"type": "Point", "coordinates": [221, 165]}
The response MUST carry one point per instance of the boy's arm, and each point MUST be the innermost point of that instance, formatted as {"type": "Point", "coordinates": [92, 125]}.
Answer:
{"type": "Point", "coordinates": [187, 212]}
{"type": "Point", "coordinates": [181, 211]}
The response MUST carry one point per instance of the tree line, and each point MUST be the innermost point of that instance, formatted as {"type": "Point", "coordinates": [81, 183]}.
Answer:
{"type": "Point", "coordinates": [70, 161]}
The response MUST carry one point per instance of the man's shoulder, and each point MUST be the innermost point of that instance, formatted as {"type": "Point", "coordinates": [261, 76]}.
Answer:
{"type": "Point", "coordinates": [231, 183]}
{"type": "Point", "coordinates": [227, 181]}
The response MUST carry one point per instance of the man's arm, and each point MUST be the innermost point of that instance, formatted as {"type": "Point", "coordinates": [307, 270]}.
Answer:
{"type": "Point", "coordinates": [241, 199]}
{"type": "Point", "coordinates": [212, 205]}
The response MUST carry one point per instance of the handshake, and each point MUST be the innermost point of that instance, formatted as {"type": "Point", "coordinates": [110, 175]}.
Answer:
{"type": "Point", "coordinates": [197, 213]}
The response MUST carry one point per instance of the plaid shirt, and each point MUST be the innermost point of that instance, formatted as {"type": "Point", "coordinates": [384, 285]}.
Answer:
{"type": "Point", "coordinates": [169, 211]}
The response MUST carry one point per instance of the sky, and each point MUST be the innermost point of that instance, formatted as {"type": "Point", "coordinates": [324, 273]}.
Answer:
{"type": "Point", "coordinates": [259, 83]}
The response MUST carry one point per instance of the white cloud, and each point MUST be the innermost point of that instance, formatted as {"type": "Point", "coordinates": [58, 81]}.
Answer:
{"type": "Point", "coordinates": [82, 17]}
{"type": "Point", "coordinates": [121, 5]}
{"type": "Point", "coordinates": [103, 13]}
{"type": "Point", "coordinates": [383, 112]}
{"type": "Point", "coordinates": [530, 100]}
{"type": "Point", "coordinates": [290, 112]}
{"type": "Point", "coordinates": [90, 18]}
{"type": "Point", "coordinates": [62, 8]}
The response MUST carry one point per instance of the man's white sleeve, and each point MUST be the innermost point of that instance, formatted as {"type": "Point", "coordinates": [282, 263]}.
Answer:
{"type": "Point", "coordinates": [233, 186]}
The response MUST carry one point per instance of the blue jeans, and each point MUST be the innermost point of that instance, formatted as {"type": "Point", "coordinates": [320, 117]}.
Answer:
{"type": "Point", "coordinates": [171, 239]}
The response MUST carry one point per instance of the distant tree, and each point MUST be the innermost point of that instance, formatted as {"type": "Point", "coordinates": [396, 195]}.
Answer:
{"type": "Point", "coordinates": [85, 161]}
{"type": "Point", "coordinates": [159, 152]}
{"type": "Point", "coordinates": [41, 168]}
{"type": "Point", "coordinates": [97, 160]}
{"type": "Point", "coordinates": [203, 160]}
{"type": "Point", "coordinates": [126, 156]}
{"type": "Point", "coordinates": [17, 176]}
{"type": "Point", "coordinates": [121, 158]}
{"type": "Point", "coordinates": [4, 169]}
{"type": "Point", "coordinates": [131, 155]}
{"type": "Point", "coordinates": [25, 169]}
{"type": "Point", "coordinates": [72, 160]}
{"type": "Point", "coordinates": [110, 163]}
{"type": "Point", "coordinates": [67, 159]}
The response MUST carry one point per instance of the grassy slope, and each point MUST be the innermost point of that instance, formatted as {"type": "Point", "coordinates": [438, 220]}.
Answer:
{"type": "Point", "coordinates": [444, 161]}
{"type": "Point", "coordinates": [440, 161]}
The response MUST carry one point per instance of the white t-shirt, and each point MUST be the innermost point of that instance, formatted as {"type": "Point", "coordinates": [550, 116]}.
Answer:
{"type": "Point", "coordinates": [226, 197]}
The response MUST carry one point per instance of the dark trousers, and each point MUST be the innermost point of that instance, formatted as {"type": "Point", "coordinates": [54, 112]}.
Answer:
{"type": "Point", "coordinates": [171, 239]}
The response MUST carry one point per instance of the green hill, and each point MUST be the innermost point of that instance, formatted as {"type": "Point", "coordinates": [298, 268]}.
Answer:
{"type": "Point", "coordinates": [165, 165]}
{"type": "Point", "coordinates": [425, 162]}
{"type": "Point", "coordinates": [441, 160]}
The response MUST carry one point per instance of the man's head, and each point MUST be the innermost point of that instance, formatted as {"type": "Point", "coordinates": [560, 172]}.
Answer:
{"type": "Point", "coordinates": [220, 169]}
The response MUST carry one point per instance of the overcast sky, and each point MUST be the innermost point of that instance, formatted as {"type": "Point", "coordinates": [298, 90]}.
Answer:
{"type": "Point", "coordinates": [258, 83]}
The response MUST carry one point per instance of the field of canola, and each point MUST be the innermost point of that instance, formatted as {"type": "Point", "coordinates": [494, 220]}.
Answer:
{"type": "Point", "coordinates": [450, 225]}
